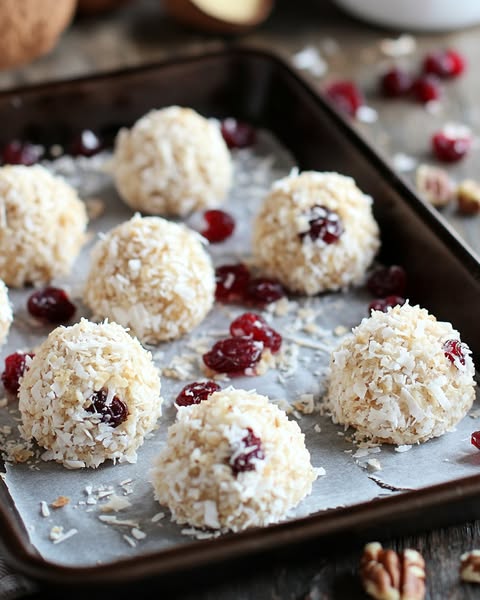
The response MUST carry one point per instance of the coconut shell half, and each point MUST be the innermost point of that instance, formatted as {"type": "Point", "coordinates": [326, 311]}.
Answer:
{"type": "Point", "coordinates": [30, 28]}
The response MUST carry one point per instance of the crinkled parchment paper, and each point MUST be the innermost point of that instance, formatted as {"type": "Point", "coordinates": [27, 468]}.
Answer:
{"type": "Point", "coordinates": [88, 530]}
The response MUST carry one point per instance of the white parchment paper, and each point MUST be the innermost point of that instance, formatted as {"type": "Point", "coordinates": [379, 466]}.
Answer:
{"type": "Point", "coordinates": [311, 329]}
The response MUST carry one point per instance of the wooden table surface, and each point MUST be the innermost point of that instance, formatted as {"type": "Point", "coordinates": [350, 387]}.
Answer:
{"type": "Point", "coordinates": [141, 33]}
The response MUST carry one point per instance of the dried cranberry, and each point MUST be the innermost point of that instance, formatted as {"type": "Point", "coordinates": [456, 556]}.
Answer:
{"type": "Point", "coordinates": [455, 351]}
{"type": "Point", "coordinates": [324, 224]}
{"type": "Point", "coordinates": [384, 304]}
{"type": "Point", "coordinates": [86, 143]}
{"type": "Point", "coordinates": [396, 82]}
{"type": "Point", "coordinates": [51, 304]}
{"type": "Point", "coordinates": [196, 392]}
{"type": "Point", "coordinates": [262, 291]}
{"type": "Point", "coordinates": [220, 226]}
{"type": "Point", "coordinates": [451, 144]}
{"type": "Point", "coordinates": [20, 153]}
{"type": "Point", "coordinates": [232, 282]}
{"type": "Point", "coordinates": [444, 63]}
{"type": "Point", "coordinates": [426, 88]}
{"type": "Point", "coordinates": [113, 413]}
{"type": "Point", "coordinates": [346, 96]}
{"type": "Point", "coordinates": [255, 327]}
{"type": "Point", "coordinates": [238, 134]}
{"type": "Point", "coordinates": [388, 281]}
{"type": "Point", "coordinates": [249, 448]}
{"type": "Point", "coordinates": [235, 356]}
{"type": "Point", "coordinates": [15, 366]}
{"type": "Point", "coordinates": [475, 439]}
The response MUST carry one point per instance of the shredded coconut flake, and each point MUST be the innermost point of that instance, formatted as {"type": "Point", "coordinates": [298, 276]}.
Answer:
{"type": "Point", "coordinates": [309, 59]}
{"type": "Point", "coordinates": [401, 46]}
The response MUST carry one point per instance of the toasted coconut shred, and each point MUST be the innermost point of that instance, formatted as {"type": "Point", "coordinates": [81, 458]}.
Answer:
{"type": "Point", "coordinates": [6, 315]}
{"type": "Point", "coordinates": [68, 368]}
{"type": "Point", "coordinates": [42, 225]}
{"type": "Point", "coordinates": [391, 379]}
{"type": "Point", "coordinates": [171, 162]}
{"type": "Point", "coordinates": [193, 474]}
{"type": "Point", "coordinates": [311, 266]}
{"type": "Point", "coordinates": [156, 278]}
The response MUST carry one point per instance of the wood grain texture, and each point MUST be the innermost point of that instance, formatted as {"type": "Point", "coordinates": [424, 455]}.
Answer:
{"type": "Point", "coordinates": [140, 33]}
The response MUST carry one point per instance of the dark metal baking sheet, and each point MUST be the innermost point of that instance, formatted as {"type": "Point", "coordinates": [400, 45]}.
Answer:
{"type": "Point", "coordinates": [260, 88]}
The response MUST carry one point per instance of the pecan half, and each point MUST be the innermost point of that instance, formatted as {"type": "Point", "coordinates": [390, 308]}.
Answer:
{"type": "Point", "coordinates": [434, 184]}
{"type": "Point", "coordinates": [387, 575]}
{"type": "Point", "coordinates": [470, 566]}
{"type": "Point", "coordinates": [468, 197]}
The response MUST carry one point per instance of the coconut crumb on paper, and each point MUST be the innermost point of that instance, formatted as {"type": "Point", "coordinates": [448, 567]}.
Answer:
{"type": "Point", "coordinates": [267, 362]}
{"type": "Point", "coordinates": [366, 451]}
{"type": "Point", "coordinates": [60, 502]}
{"type": "Point", "coordinates": [403, 448]}
{"type": "Point", "coordinates": [115, 504]}
{"type": "Point", "coordinates": [200, 534]}
{"type": "Point", "coordinates": [282, 307]}
{"type": "Point", "coordinates": [138, 534]}
{"type": "Point", "coordinates": [130, 541]}
{"type": "Point", "coordinates": [89, 493]}
{"type": "Point", "coordinates": [287, 359]}
{"type": "Point", "coordinates": [373, 464]}
{"type": "Point", "coordinates": [127, 486]}
{"type": "Point", "coordinates": [73, 465]}
{"type": "Point", "coordinates": [15, 451]}
{"type": "Point", "coordinates": [282, 404]}
{"type": "Point", "coordinates": [305, 404]}
{"type": "Point", "coordinates": [44, 510]}
{"type": "Point", "coordinates": [361, 453]}
{"type": "Point", "coordinates": [57, 534]}
{"type": "Point", "coordinates": [308, 343]}
{"type": "Point", "coordinates": [182, 367]}
{"type": "Point", "coordinates": [157, 517]}
{"type": "Point", "coordinates": [203, 344]}
{"type": "Point", "coordinates": [101, 494]}
{"type": "Point", "coordinates": [113, 520]}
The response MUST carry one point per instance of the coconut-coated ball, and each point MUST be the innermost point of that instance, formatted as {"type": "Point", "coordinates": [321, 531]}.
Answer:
{"type": "Point", "coordinates": [152, 276]}
{"type": "Point", "coordinates": [231, 462]}
{"type": "Point", "coordinates": [90, 393]}
{"type": "Point", "coordinates": [171, 162]}
{"type": "Point", "coordinates": [401, 377]}
{"type": "Point", "coordinates": [42, 225]}
{"type": "Point", "coordinates": [315, 232]}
